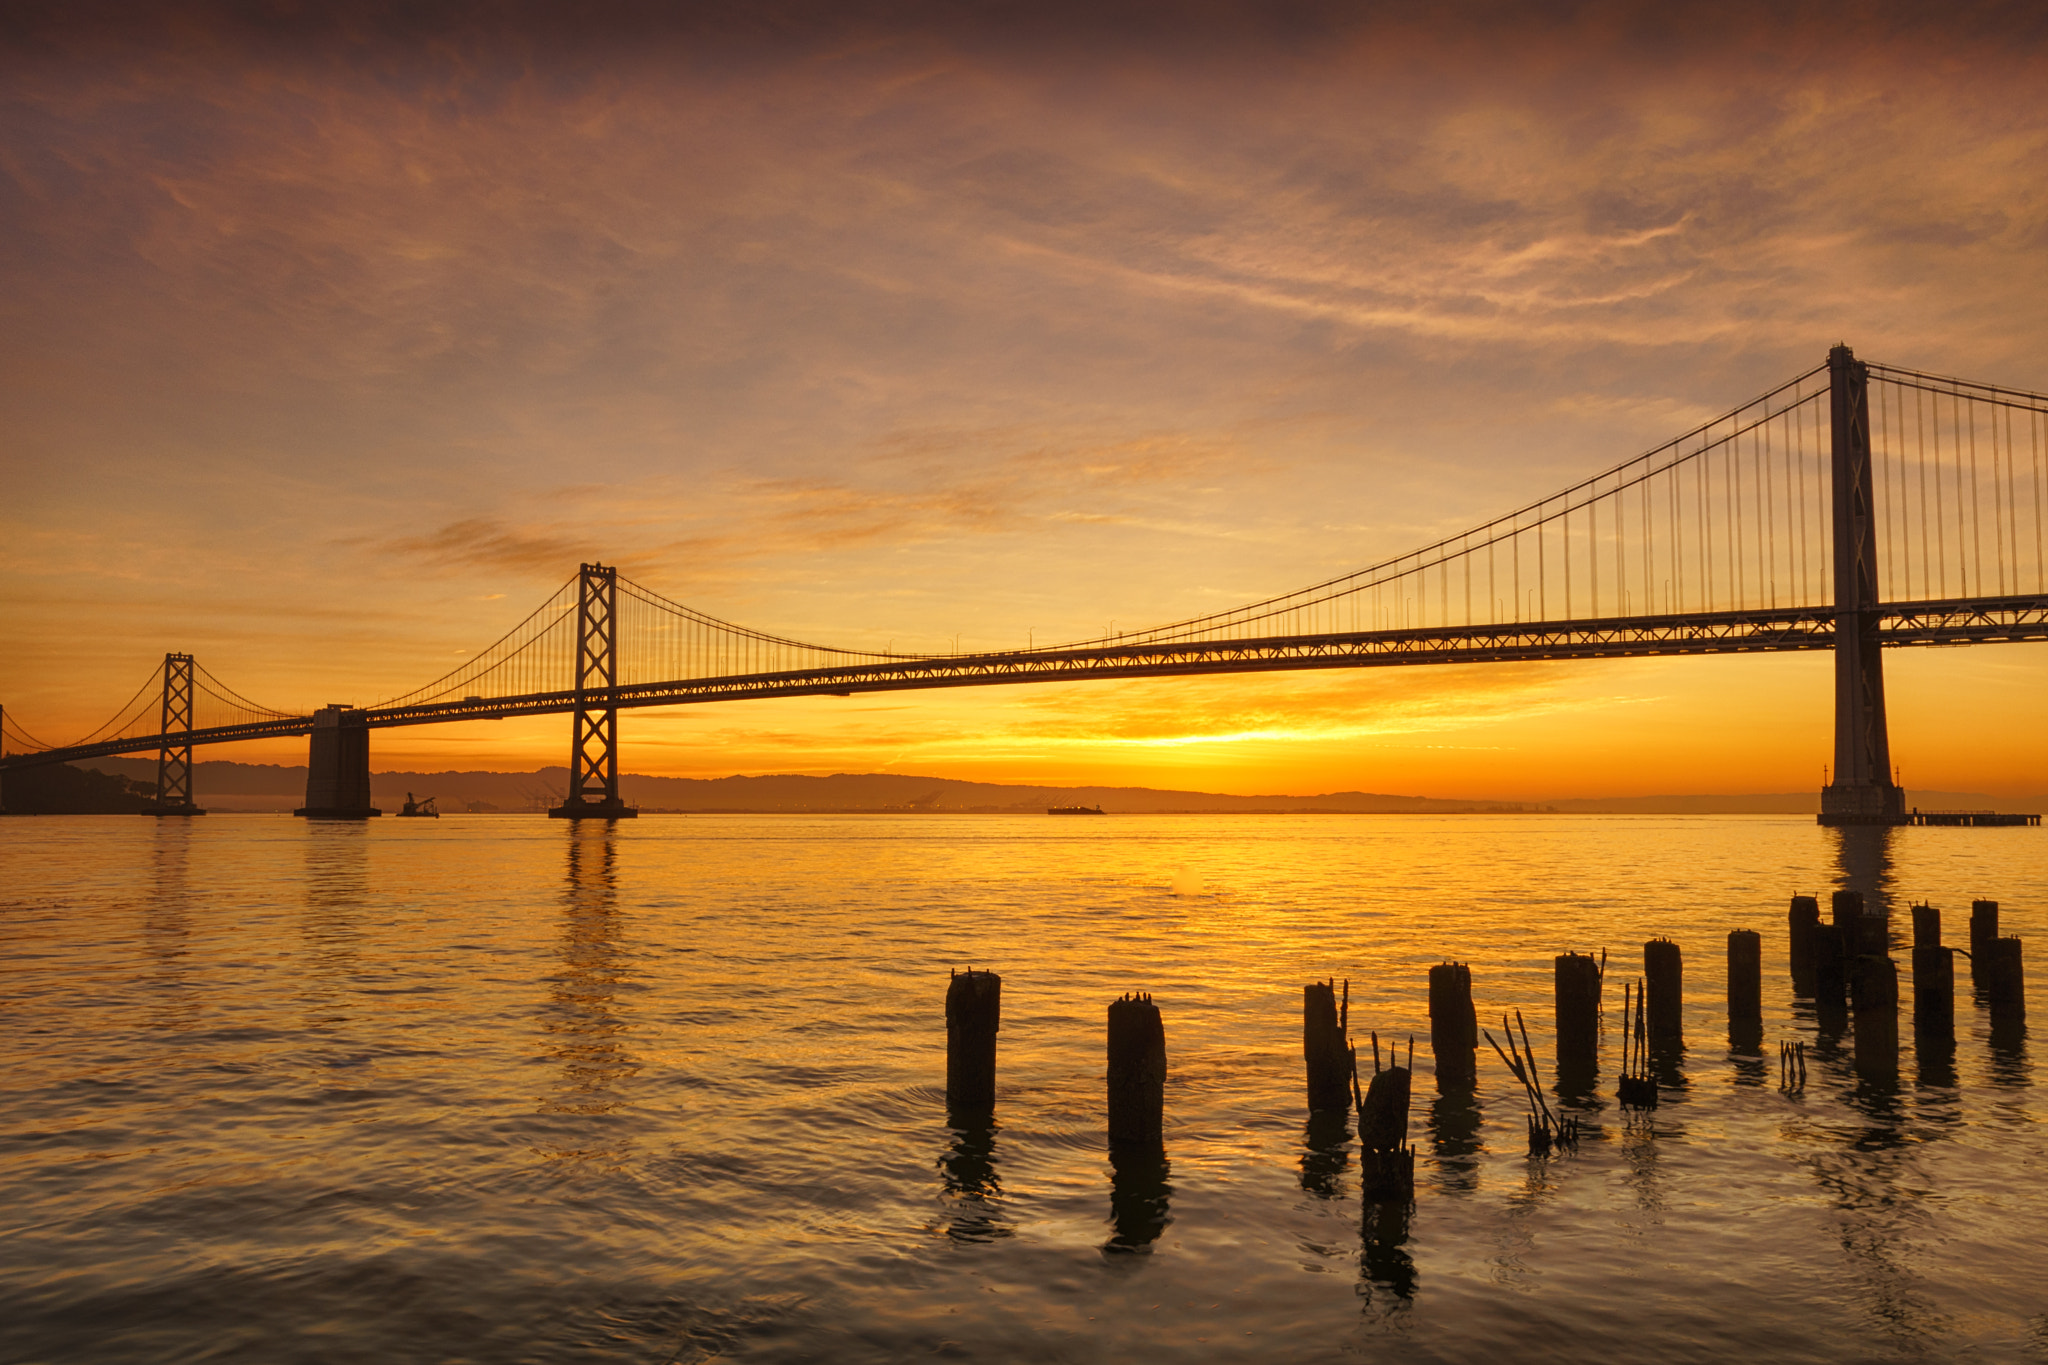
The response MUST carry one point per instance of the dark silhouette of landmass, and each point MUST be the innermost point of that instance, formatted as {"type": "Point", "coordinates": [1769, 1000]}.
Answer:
{"type": "Point", "coordinates": [61, 789]}
{"type": "Point", "coordinates": [226, 786]}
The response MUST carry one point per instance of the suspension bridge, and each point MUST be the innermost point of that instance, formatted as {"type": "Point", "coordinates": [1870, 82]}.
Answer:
{"type": "Point", "coordinates": [1856, 507]}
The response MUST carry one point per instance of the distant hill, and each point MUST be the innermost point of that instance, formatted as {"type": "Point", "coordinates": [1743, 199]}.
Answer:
{"type": "Point", "coordinates": [61, 789]}
{"type": "Point", "coordinates": [227, 786]}
{"type": "Point", "coordinates": [250, 786]}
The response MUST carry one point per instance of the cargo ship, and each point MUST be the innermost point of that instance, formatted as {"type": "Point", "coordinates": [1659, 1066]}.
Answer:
{"type": "Point", "coordinates": [1073, 810]}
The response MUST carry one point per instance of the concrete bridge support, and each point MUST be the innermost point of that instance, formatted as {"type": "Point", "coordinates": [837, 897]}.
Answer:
{"type": "Point", "coordinates": [338, 767]}
{"type": "Point", "coordinates": [1862, 791]}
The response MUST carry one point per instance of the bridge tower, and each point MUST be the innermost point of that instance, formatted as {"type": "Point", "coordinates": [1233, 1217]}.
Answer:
{"type": "Point", "coordinates": [174, 760]}
{"type": "Point", "coordinates": [594, 728]}
{"type": "Point", "coordinates": [1862, 792]}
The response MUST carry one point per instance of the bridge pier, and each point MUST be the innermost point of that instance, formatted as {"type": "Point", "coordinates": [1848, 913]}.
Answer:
{"type": "Point", "coordinates": [594, 727]}
{"type": "Point", "coordinates": [1863, 791]}
{"type": "Point", "coordinates": [338, 767]}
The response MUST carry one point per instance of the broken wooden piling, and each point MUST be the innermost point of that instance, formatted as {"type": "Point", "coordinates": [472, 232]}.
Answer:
{"type": "Point", "coordinates": [1803, 920]}
{"type": "Point", "coordinates": [1137, 1072]}
{"type": "Point", "coordinates": [1453, 1027]}
{"type": "Point", "coordinates": [2006, 978]}
{"type": "Point", "coordinates": [1934, 996]}
{"type": "Point", "coordinates": [1874, 1007]}
{"type": "Point", "coordinates": [1386, 1161]}
{"type": "Point", "coordinates": [1983, 933]}
{"type": "Point", "coordinates": [1576, 982]}
{"type": "Point", "coordinates": [1664, 991]}
{"type": "Point", "coordinates": [1745, 989]}
{"type": "Point", "coordinates": [1926, 926]}
{"type": "Point", "coordinates": [1325, 1048]}
{"type": "Point", "coordinates": [974, 1011]}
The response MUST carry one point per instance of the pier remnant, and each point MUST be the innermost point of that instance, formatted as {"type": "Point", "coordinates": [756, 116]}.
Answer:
{"type": "Point", "coordinates": [1874, 1006]}
{"type": "Point", "coordinates": [1983, 933]}
{"type": "Point", "coordinates": [1386, 1161]}
{"type": "Point", "coordinates": [1926, 926]}
{"type": "Point", "coordinates": [1137, 1072]}
{"type": "Point", "coordinates": [1546, 1130]}
{"type": "Point", "coordinates": [974, 1012]}
{"type": "Point", "coordinates": [1326, 1046]}
{"type": "Point", "coordinates": [1934, 996]}
{"type": "Point", "coordinates": [1638, 1088]}
{"type": "Point", "coordinates": [1805, 919]}
{"type": "Point", "coordinates": [1830, 967]}
{"type": "Point", "coordinates": [1791, 1067]}
{"type": "Point", "coordinates": [1664, 989]}
{"type": "Point", "coordinates": [1453, 1027]}
{"type": "Point", "coordinates": [1745, 990]}
{"type": "Point", "coordinates": [1576, 983]}
{"type": "Point", "coordinates": [2008, 985]}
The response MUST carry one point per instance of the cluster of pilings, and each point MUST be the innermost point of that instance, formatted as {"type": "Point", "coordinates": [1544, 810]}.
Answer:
{"type": "Point", "coordinates": [1843, 964]}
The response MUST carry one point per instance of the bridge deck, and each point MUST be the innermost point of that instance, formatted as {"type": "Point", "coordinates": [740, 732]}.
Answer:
{"type": "Point", "coordinates": [1963, 621]}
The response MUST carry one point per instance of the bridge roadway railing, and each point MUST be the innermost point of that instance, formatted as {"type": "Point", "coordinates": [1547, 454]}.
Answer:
{"type": "Point", "coordinates": [1961, 621]}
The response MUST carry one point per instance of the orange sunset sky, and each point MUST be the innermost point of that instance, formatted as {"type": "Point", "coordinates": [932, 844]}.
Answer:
{"type": "Point", "coordinates": [333, 344]}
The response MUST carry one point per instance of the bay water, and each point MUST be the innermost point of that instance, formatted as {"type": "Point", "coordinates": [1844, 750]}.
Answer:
{"type": "Point", "coordinates": [500, 1088]}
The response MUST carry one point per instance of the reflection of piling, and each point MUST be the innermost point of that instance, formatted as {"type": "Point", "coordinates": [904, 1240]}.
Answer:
{"type": "Point", "coordinates": [1805, 919]}
{"type": "Point", "coordinates": [1664, 989]}
{"type": "Point", "coordinates": [1324, 1046]}
{"type": "Point", "coordinates": [1874, 999]}
{"type": "Point", "coordinates": [1983, 933]}
{"type": "Point", "coordinates": [1453, 1027]}
{"type": "Point", "coordinates": [1577, 986]}
{"type": "Point", "coordinates": [2007, 984]}
{"type": "Point", "coordinates": [1745, 990]}
{"type": "Point", "coordinates": [974, 1011]}
{"type": "Point", "coordinates": [1926, 926]}
{"type": "Point", "coordinates": [1137, 1072]}
{"type": "Point", "coordinates": [1140, 1199]}
{"type": "Point", "coordinates": [1934, 997]}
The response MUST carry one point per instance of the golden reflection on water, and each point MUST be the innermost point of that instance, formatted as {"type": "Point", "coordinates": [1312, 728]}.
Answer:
{"type": "Point", "coordinates": [585, 1021]}
{"type": "Point", "coordinates": [675, 1090]}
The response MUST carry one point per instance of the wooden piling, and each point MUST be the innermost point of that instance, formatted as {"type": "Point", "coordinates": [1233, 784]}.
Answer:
{"type": "Point", "coordinates": [1453, 1027]}
{"type": "Point", "coordinates": [974, 1011]}
{"type": "Point", "coordinates": [1386, 1163]}
{"type": "Point", "coordinates": [1874, 1005]}
{"type": "Point", "coordinates": [1926, 927]}
{"type": "Point", "coordinates": [1383, 1113]}
{"type": "Point", "coordinates": [1846, 908]}
{"type": "Point", "coordinates": [1325, 1048]}
{"type": "Point", "coordinates": [2008, 986]}
{"type": "Point", "coordinates": [1830, 967]}
{"type": "Point", "coordinates": [1805, 918]}
{"type": "Point", "coordinates": [1873, 933]}
{"type": "Point", "coordinates": [1934, 996]}
{"type": "Point", "coordinates": [1983, 933]}
{"type": "Point", "coordinates": [1137, 1072]}
{"type": "Point", "coordinates": [1745, 990]}
{"type": "Point", "coordinates": [1664, 985]}
{"type": "Point", "coordinates": [1576, 983]}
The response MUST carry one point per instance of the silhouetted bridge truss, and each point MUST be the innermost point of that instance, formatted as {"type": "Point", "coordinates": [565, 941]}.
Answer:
{"type": "Point", "coordinates": [1853, 508]}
